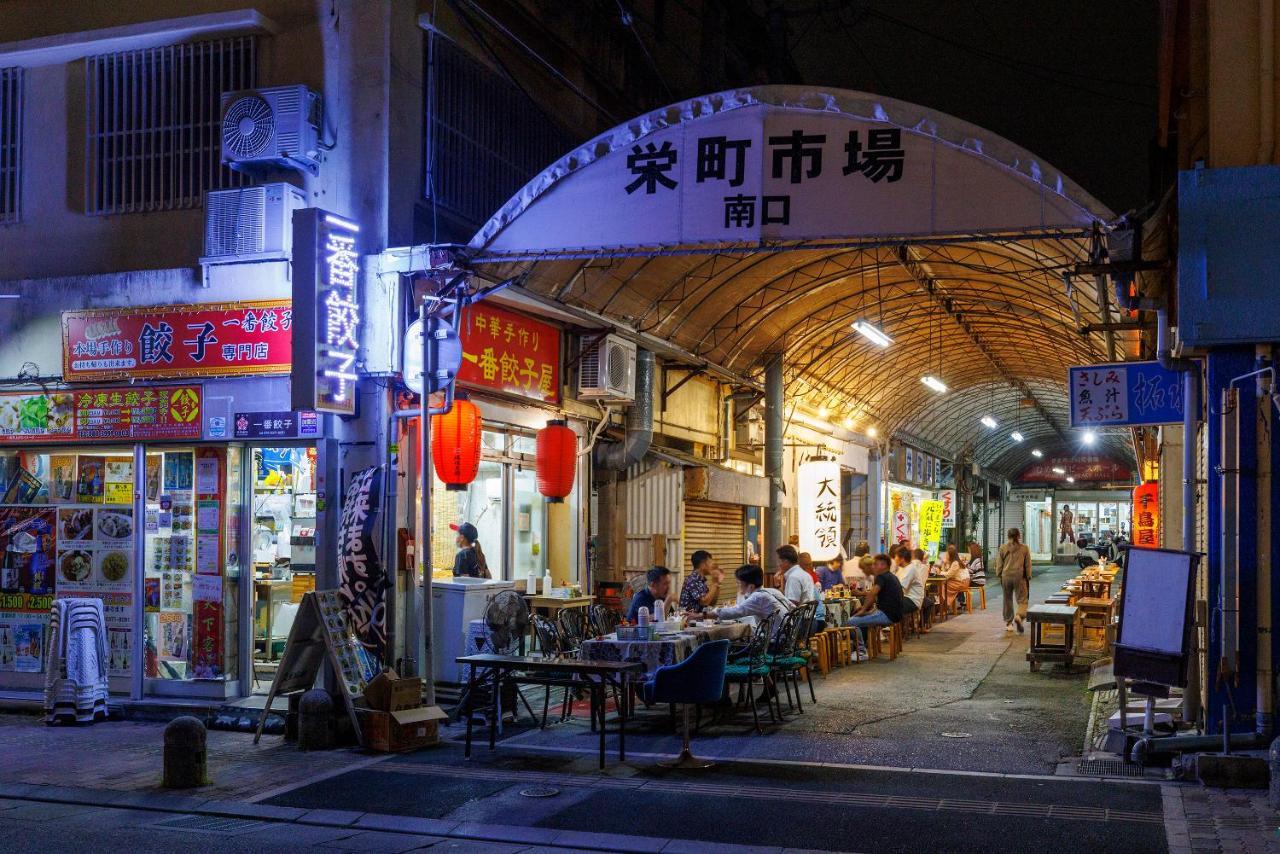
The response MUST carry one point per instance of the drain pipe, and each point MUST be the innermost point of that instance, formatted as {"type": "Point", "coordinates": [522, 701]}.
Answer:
{"type": "Point", "coordinates": [773, 443]}
{"type": "Point", "coordinates": [621, 455]}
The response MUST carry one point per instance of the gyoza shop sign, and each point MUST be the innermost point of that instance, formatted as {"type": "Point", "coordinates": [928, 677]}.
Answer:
{"type": "Point", "coordinates": [509, 352]}
{"type": "Point", "coordinates": [716, 172]}
{"type": "Point", "coordinates": [326, 300]}
{"type": "Point", "coordinates": [218, 339]}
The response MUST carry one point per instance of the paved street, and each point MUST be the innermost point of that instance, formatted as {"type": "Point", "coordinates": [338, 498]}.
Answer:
{"type": "Point", "coordinates": [956, 742]}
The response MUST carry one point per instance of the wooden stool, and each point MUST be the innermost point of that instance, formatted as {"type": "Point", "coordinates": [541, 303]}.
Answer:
{"type": "Point", "coordinates": [982, 592]}
{"type": "Point", "coordinates": [895, 640]}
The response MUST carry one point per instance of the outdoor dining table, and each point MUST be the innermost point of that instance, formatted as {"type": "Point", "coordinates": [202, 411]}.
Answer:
{"type": "Point", "coordinates": [594, 675]}
{"type": "Point", "coordinates": [665, 648]}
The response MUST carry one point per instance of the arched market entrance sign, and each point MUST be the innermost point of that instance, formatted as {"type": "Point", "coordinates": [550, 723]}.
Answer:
{"type": "Point", "coordinates": [783, 164]}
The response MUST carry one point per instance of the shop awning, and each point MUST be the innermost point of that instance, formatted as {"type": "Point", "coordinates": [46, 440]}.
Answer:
{"type": "Point", "coordinates": [767, 220]}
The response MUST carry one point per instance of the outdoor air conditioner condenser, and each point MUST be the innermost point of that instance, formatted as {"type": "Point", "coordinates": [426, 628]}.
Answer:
{"type": "Point", "coordinates": [607, 371]}
{"type": "Point", "coordinates": [277, 126]}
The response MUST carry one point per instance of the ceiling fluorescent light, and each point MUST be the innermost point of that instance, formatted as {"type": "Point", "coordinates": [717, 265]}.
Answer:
{"type": "Point", "coordinates": [872, 333]}
{"type": "Point", "coordinates": [934, 383]}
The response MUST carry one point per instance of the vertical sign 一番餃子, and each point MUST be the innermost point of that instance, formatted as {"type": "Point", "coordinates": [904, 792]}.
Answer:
{"type": "Point", "coordinates": [326, 311]}
{"type": "Point", "coordinates": [818, 487]}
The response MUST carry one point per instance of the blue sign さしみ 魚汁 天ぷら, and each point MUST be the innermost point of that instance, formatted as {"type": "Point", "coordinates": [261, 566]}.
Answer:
{"type": "Point", "coordinates": [1124, 394]}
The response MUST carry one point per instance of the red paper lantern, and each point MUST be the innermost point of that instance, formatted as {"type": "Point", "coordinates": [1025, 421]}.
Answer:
{"type": "Point", "coordinates": [557, 460]}
{"type": "Point", "coordinates": [455, 444]}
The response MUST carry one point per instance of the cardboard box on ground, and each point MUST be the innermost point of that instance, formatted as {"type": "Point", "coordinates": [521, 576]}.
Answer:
{"type": "Point", "coordinates": [395, 720]}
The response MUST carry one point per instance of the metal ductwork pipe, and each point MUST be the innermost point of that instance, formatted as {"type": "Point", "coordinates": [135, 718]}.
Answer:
{"type": "Point", "coordinates": [631, 450]}
{"type": "Point", "coordinates": [1190, 415]}
{"type": "Point", "coordinates": [773, 444]}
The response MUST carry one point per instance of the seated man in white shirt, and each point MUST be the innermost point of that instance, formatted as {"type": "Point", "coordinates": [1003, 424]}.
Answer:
{"type": "Point", "coordinates": [912, 575]}
{"type": "Point", "coordinates": [755, 601]}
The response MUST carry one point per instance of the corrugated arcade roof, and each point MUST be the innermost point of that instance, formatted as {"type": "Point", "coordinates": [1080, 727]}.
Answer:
{"type": "Point", "coordinates": [961, 263]}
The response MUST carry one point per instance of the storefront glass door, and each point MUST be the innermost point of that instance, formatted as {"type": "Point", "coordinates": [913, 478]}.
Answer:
{"type": "Point", "coordinates": [282, 547]}
{"type": "Point", "coordinates": [1039, 529]}
{"type": "Point", "coordinates": [528, 555]}
{"type": "Point", "coordinates": [191, 568]}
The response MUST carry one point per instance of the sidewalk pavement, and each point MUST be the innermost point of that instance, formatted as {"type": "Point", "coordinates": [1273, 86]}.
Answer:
{"type": "Point", "coordinates": [1227, 820]}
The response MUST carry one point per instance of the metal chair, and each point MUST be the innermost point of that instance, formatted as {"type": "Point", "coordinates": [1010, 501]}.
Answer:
{"type": "Point", "coordinates": [574, 627]}
{"type": "Point", "coordinates": [603, 619]}
{"type": "Point", "coordinates": [750, 663]}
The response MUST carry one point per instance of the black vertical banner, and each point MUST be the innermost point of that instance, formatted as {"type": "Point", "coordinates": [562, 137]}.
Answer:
{"type": "Point", "coordinates": [362, 580]}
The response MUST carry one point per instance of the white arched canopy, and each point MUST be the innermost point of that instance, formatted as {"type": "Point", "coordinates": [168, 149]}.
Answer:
{"type": "Point", "coordinates": [766, 220]}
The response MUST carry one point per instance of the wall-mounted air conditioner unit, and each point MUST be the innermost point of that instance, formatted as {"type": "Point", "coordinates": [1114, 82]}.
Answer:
{"type": "Point", "coordinates": [607, 371]}
{"type": "Point", "coordinates": [250, 224]}
{"type": "Point", "coordinates": [278, 126]}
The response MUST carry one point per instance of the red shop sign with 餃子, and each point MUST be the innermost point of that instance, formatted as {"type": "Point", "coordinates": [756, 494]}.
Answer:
{"type": "Point", "coordinates": [216, 339]}
{"type": "Point", "coordinates": [509, 352]}
{"type": "Point", "coordinates": [130, 413]}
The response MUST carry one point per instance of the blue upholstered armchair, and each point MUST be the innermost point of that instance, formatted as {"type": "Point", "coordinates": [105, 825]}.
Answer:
{"type": "Point", "coordinates": [697, 679]}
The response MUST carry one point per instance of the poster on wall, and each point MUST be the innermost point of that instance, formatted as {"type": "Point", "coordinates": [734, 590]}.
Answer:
{"type": "Point", "coordinates": [908, 461]}
{"type": "Point", "coordinates": [362, 581]}
{"type": "Point", "coordinates": [27, 582]}
{"type": "Point", "coordinates": [95, 559]}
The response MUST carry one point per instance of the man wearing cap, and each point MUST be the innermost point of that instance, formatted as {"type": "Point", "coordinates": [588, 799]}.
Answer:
{"type": "Point", "coordinates": [470, 559]}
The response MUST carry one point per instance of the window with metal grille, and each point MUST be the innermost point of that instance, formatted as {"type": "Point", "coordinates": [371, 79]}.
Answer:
{"type": "Point", "coordinates": [485, 138]}
{"type": "Point", "coordinates": [10, 144]}
{"type": "Point", "coordinates": [152, 121]}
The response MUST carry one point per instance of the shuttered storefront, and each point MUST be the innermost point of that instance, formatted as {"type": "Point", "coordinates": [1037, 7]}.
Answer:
{"type": "Point", "coordinates": [720, 529]}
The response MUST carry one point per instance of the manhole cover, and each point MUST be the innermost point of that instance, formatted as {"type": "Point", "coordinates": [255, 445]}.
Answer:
{"type": "Point", "coordinates": [208, 824]}
{"type": "Point", "coordinates": [957, 735]}
{"type": "Point", "coordinates": [539, 792]}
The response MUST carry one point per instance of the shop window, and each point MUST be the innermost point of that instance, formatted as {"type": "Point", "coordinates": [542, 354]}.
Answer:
{"type": "Point", "coordinates": [530, 526]}
{"type": "Point", "coordinates": [66, 529]}
{"type": "Point", "coordinates": [153, 129]}
{"type": "Point", "coordinates": [10, 144]}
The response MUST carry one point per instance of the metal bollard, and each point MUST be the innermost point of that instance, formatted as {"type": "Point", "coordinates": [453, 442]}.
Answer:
{"type": "Point", "coordinates": [185, 753]}
{"type": "Point", "coordinates": [315, 720]}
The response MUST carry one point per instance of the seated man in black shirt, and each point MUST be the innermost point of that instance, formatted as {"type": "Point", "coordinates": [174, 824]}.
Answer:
{"type": "Point", "coordinates": [883, 604]}
{"type": "Point", "coordinates": [657, 590]}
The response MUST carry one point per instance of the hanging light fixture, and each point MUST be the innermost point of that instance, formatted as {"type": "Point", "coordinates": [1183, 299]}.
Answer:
{"type": "Point", "coordinates": [1089, 437]}
{"type": "Point", "coordinates": [1037, 453]}
{"type": "Point", "coordinates": [1059, 470]}
{"type": "Point", "coordinates": [848, 422]}
{"type": "Point", "coordinates": [872, 333]}
{"type": "Point", "coordinates": [871, 431]}
{"type": "Point", "coordinates": [455, 445]}
{"type": "Point", "coordinates": [1016, 436]}
{"type": "Point", "coordinates": [934, 383]}
{"type": "Point", "coordinates": [1070, 479]}
{"type": "Point", "coordinates": [557, 460]}
{"type": "Point", "coordinates": [989, 422]}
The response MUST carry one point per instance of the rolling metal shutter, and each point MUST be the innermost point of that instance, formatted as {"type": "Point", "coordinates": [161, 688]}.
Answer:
{"type": "Point", "coordinates": [718, 528]}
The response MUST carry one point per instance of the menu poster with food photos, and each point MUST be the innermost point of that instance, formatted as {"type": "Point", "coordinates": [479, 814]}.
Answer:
{"type": "Point", "coordinates": [119, 484]}
{"type": "Point", "coordinates": [95, 558]}
{"type": "Point", "coordinates": [27, 554]}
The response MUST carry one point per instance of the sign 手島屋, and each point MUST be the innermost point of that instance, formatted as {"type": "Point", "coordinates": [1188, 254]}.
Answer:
{"type": "Point", "coordinates": [1124, 394]}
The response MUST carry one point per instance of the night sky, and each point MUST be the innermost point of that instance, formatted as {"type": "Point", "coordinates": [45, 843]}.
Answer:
{"type": "Point", "coordinates": [1072, 81]}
